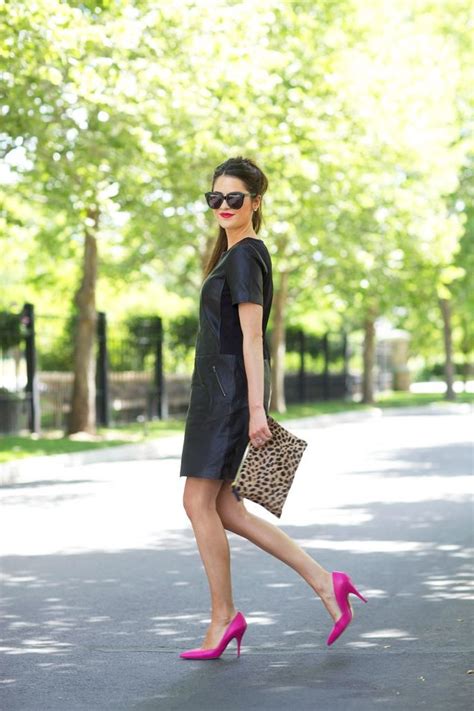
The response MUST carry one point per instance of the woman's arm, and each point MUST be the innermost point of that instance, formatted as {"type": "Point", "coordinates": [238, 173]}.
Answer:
{"type": "Point", "coordinates": [251, 316]}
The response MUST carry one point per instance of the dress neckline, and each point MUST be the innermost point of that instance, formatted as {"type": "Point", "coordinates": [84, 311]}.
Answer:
{"type": "Point", "coordinates": [257, 239]}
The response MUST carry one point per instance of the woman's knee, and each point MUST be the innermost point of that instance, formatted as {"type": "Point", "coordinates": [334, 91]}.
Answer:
{"type": "Point", "coordinates": [199, 496]}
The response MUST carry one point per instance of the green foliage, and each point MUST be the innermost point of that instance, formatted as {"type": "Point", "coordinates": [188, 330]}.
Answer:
{"type": "Point", "coordinates": [55, 342]}
{"type": "Point", "coordinates": [143, 334]}
{"type": "Point", "coordinates": [11, 332]}
{"type": "Point", "coordinates": [360, 114]}
{"type": "Point", "coordinates": [9, 396]}
{"type": "Point", "coordinates": [435, 371]}
{"type": "Point", "coordinates": [183, 331]}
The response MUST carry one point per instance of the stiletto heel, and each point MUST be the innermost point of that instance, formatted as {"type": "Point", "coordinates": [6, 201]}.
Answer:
{"type": "Point", "coordinates": [343, 586]}
{"type": "Point", "coordinates": [352, 588]}
{"type": "Point", "coordinates": [236, 629]}
{"type": "Point", "coordinates": [239, 640]}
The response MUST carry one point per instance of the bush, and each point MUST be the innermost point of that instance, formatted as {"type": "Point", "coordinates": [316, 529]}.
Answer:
{"type": "Point", "coordinates": [435, 371]}
{"type": "Point", "coordinates": [10, 330]}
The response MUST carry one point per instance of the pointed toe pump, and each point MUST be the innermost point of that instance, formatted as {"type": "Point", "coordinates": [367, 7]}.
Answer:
{"type": "Point", "coordinates": [236, 629]}
{"type": "Point", "coordinates": [343, 586]}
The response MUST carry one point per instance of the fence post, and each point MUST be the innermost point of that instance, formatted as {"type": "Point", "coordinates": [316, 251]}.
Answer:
{"type": "Point", "coordinates": [326, 382]}
{"type": "Point", "coordinates": [102, 377]}
{"type": "Point", "coordinates": [158, 384]}
{"type": "Point", "coordinates": [345, 353]}
{"type": "Point", "coordinates": [31, 387]}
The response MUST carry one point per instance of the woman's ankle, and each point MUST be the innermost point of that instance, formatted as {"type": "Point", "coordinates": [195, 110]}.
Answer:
{"type": "Point", "coordinates": [322, 582]}
{"type": "Point", "coordinates": [223, 616]}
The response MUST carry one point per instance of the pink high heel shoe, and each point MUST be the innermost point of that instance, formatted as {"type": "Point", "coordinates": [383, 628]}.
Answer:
{"type": "Point", "coordinates": [343, 585]}
{"type": "Point", "coordinates": [235, 629]}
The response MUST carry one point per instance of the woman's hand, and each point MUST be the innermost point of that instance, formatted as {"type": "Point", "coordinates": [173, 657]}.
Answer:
{"type": "Point", "coordinates": [259, 432]}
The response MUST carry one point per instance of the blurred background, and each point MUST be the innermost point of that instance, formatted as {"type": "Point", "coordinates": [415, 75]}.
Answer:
{"type": "Point", "coordinates": [113, 117]}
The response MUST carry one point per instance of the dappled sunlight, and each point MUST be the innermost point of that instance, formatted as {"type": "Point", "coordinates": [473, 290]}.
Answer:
{"type": "Point", "coordinates": [151, 524]}
{"type": "Point", "coordinates": [367, 546]}
{"type": "Point", "coordinates": [108, 563]}
{"type": "Point", "coordinates": [411, 459]}
{"type": "Point", "coordinates": [363, 645]}
{"type": "Point", "coordinates": [157, 581]}
{"type": "Point", "coordinates": [133, 505]}
{"type": "Point", "coordinates": [261, 618]}
{"type": "Point", "coordinates": [40, 645]}
{"type": "Point", "coordinates": [444, 587]}
{"type": "Point", "coordinates": [173, 625]}
{"type": "Point", "coordinates": [417, 548]}
{"type": "Point", "coordinates": [386, 634]}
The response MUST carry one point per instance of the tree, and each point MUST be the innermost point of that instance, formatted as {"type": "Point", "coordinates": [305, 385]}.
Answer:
{"type": "Point", "coordinates": [116, 115]}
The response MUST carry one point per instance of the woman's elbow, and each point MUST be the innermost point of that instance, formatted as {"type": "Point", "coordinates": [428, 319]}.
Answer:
{"type": "Point", "coordinates": [253, 338]}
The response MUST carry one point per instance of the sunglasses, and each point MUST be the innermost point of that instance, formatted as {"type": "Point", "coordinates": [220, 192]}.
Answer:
{"type": "Point", "coordinates": [234, 200]}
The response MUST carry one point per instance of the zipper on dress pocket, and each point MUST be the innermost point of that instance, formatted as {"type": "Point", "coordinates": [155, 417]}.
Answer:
{"type": "Point", "coordinates": [218, 380]}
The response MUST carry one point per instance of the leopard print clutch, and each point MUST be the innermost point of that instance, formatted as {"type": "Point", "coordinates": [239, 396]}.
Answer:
{"type": "Point", "coordinates": [266, 473]}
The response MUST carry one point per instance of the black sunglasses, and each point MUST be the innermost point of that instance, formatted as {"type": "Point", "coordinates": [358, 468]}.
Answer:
{"type": "Point", "coordinates": [234, 200]}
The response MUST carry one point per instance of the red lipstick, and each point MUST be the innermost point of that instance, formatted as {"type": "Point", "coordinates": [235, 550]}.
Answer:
{"type": "Point", "coordinates": [226, 214]}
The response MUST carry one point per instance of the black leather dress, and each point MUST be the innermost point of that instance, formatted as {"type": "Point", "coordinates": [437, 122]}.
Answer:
{"type": "Point", "coordinates": [217, 420]}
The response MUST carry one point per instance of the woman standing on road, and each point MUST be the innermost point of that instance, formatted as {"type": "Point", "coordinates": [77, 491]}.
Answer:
{"type": "Point", "coordinates": [230, 397]}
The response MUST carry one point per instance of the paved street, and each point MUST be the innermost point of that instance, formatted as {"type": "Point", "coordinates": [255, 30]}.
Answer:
{"type": "Point", "coordinates": [102, 584]}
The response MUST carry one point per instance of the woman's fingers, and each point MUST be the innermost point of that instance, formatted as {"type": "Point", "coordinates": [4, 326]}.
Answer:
{"type": "Point", "coordinates": [261, 437]}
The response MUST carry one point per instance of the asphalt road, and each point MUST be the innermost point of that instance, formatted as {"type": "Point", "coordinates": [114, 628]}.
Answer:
{"type": "Point", "coordinates": [102, 584]}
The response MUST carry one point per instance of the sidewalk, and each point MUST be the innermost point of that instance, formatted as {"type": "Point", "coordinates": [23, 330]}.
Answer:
{"type": "Point", "coordinates": [19, 470]}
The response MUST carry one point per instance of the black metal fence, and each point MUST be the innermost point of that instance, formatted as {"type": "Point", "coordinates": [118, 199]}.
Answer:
{"type": "Point", "coordinates": [36, 376]}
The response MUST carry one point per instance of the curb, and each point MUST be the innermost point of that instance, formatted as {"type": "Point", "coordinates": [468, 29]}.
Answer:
{"type": "Point", "coordinates": [31, 468]}
{"type": "Point", "coordinates": [435, 408]}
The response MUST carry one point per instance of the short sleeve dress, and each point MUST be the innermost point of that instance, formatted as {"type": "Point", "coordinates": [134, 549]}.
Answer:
{"type": "Point", "coordinates": [217, 419]}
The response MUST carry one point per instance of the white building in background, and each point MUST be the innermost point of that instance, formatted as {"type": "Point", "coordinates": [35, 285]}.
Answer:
{"type": "Point", "coordinates": [392, 346]}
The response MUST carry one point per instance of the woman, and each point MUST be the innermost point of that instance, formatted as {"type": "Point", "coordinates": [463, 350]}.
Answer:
{"type": "Point", "coordinates": [230, 396]}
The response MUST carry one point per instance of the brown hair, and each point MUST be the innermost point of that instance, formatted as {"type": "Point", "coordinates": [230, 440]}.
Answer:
{"type": "Point", "coordinates": [255, 181]}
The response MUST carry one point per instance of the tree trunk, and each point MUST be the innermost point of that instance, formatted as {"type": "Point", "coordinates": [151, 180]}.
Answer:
{"type": "Point", "coordinates": [277, 401]}
{"type": "Point", "coordinates": [445, 306]}
{"type": "Point", "coordinates": [83, 416]}
{"type": "Point", "coordinates": [368, 358]}
{"type": "Point", "coordinates": [466, 350]}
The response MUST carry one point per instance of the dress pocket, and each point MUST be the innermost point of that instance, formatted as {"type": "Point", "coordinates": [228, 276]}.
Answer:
{"type": "Point", "coordinates": [221, 388]}
{"type": "Point", "coordinates": [214, 370]}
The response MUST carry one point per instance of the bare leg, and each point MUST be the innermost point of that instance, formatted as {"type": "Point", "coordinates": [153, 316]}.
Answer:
{"type": "Point", "coordinates": [272, 539]}
{"type": "Point", "coordinates": [199, 501]}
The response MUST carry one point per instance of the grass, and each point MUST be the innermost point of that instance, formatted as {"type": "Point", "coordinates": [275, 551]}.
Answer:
{"type": "Point", "coordinates": [383, 400]}
{"type": "Point", "coordinates": [54, 442]}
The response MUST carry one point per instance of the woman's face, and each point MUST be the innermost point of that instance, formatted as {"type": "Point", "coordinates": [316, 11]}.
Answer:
{"type": "Point", "coordinates": [241, 217]}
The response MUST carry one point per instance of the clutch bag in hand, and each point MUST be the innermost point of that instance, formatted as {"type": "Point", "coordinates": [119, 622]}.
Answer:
{"type": "Point", "coordinates": [266, 473]}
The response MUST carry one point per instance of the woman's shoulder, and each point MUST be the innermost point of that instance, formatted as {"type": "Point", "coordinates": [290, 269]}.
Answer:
{"type": "Point", "coordinates": [249, 249]}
